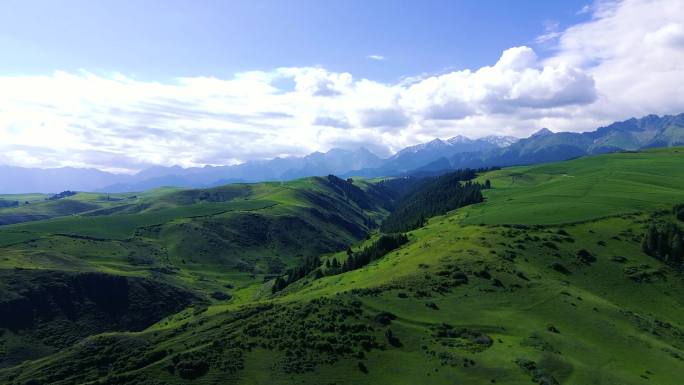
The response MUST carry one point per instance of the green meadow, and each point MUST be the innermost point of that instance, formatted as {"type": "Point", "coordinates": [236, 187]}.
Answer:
{"type": "Point", "coordinates": [583, 189]}
{"type": "Point", "coordinates": [545, 282]}
{"type": "Point", "coordinates": [124, 225]}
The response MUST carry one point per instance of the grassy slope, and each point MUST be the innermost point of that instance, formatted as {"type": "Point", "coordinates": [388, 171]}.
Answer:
{"type": "Point", "coordinates": [583, 189]}
{"type": "Point", "coordinates": [172, 228]}
{"type": "Point", "coordinates": [36, 207]}
{"type": "Point", "coordinates": [613, 321]}
{"type": "Point", "coordinates": [214, 240]}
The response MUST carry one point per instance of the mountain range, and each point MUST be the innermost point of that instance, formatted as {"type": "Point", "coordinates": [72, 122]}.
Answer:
{"type": "Point", "coordinates": [546, 146]}
{"type": "Point", "coordinates": [434, 156]}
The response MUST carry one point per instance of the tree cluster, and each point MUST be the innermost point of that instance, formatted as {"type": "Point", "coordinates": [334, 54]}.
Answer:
{"type": "Point", "coordinates": [378, 249]}
{"type": "Point", "coordinates": [435, 197]}
{"type": "Point", "coordinates": [296, 273]}
{"type": "Point", "coordinates": [678, 211]}
{"type": "Point", "coordinates": [664, 242]}
{"type": "Point", "coordinates": [390, 191]}
{"type": "Point", "coordinates": [349, 190]}
{"type": "Point", "coordinates": [7, 203]}
{"type": "Point", "coordinates": [63, 194]}
{"type": "Point", "coordinates": [383, 245]}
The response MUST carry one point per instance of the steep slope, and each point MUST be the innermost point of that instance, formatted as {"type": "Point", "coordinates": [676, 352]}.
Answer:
{"type": "Point", "coordinates": [485, 294]}
{"type": "Point", "coordinates": [46, 310]}
{"type": "Point", "coordinates": [232, 227]}
{"type": "Point", "coordinates": [107, 269]}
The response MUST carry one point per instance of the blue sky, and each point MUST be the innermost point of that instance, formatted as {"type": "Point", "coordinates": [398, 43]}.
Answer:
{"type": "Point", "coordinates": [159, 40]}
{"type": "Point", "coordinates": [123, 85]}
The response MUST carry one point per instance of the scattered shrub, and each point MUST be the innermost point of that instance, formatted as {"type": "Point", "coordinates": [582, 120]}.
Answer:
{"type": "Point", "coordinates": [586, 257]}
{"type": "Point", "coordinates": [221, 296]}
{"type": "Point", "coordinates": [560, 268]}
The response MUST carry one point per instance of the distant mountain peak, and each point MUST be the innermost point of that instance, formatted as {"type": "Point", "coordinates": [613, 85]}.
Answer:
{"type": "Point", "coordinates": [356, 152]}
{"type": "Point", "coordinates": [459, 139]}
{"type": "Point", "coordinates": [335, 150]}
{"type": "Point", "coordinates": [436, 142]}
{"type": "Point", "coordinates": [364, 150]}
{"type": "Point", "coordinates": [543, 132]}
{"type": "Point", "coordinates": [500, 140]}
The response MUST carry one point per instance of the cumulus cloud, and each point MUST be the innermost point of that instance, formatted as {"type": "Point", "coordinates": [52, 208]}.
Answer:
{"type": "Point", "coordinates": [317, 81]}
{"type": "Point", "coordinates": [516, 81]}
{"type": "Point", "coordinates": [670, 35]}
{"type": "Point", "coordinates": [376, 57]}
{"type": "Point", "coordinates": [633, 50]}
{"type": "Point", "coordinates": [626, 60]}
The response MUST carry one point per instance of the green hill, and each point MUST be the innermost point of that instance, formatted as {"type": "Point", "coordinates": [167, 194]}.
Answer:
{"type": "Point", "coordinates": [583, 189]}
{"type": "Point", "coordinates": [546, 282]}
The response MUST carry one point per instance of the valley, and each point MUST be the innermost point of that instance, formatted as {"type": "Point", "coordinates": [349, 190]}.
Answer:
{"type": "Point", "coordinates": [545, 280]}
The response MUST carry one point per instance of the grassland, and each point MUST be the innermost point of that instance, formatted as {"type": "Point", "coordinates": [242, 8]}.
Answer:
{"type": "Point", "coordinates": [583, 189]}
{"type": "Point", "coordinates": [545, 282]}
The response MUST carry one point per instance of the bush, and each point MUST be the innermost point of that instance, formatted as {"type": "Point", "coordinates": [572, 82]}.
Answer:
{"type": "Point", "coordinates": [560, 268]}
{"type": "Point", "coordinates": [385, 318]}
{"type": "Point", "coordinates": [586, 257]}
{"type": "Point", "coordinates": [392, 339]}
{"type": "Point", "coordinates": [221, 296]}
{"type": "Point", "coordinates": [678, 211]}
{"type": "Point", "coordinates": [190, 366]}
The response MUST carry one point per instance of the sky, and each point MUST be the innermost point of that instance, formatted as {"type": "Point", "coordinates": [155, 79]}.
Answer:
{"type": "Point", "coordinates": [123, 85]}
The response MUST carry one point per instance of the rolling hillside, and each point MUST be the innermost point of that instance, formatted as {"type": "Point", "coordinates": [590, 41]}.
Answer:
{"type": "Point", "coordinates": [582, 189]}
{"type": "Point", "coordinates": [545, 282]}
{"type": "Point", "coordinates": [202, 243]}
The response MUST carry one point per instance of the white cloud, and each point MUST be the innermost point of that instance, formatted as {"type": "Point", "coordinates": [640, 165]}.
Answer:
{"type": "Point", "coordinates": [633, 49]}
{"type": "Point", "coordinates": [551, 32]}
{"type": "Point", "coordinates": [376, 57]}
{"type": "Point", "coordinates": [516, 81]}
{"type": "Point", "coordinates": [584, 10]}
{"type": "Point", "coordinates": [669, 36]}
{"type": "Point", "coordinates": [626, 60]}
{"type": "Point", "coordinates": [317, 81]}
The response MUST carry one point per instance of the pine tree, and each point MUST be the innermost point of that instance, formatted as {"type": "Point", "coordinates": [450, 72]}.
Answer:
{"type": "Point", "coordinates": [676, 250]}
{"type": "Point", "coordinates": [278, 285]}
{"type": "Point", "coordinates": [348, 264]}
{"type": "Point", "coordinates": [650, 243]}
